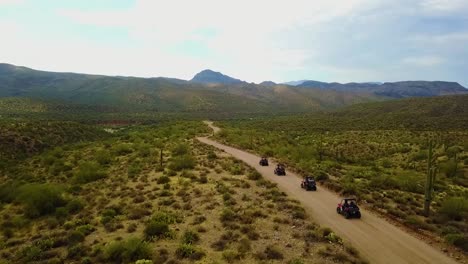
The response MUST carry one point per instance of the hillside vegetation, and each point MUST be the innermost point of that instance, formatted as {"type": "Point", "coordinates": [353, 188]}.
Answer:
{"type": "Point", "coordinates": [22, 139]}
{"type": "Point", "coordinates": [152, 194]}
{"type": "Point", "coordinates": [383, 165]}
{"type": "Point", "coordinates": [156, 95]}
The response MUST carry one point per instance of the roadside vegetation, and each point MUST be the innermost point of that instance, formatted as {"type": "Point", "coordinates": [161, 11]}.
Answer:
{"type": "Point", "coordinates": [385, 168]}
{"type": "Point", "coordinates": [148, 194]}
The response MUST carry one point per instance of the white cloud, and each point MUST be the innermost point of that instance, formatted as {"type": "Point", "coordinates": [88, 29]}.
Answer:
{"type": "Point", "coordinates": [444, 5]}
{"type": "Point", "coordinates": [424, 61]}
{"type": "Point", "coordinates": [10, 2]}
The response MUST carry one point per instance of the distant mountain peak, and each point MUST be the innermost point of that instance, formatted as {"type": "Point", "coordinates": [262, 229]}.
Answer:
{"type": "Point", "coordinates": [268, 83]}
{"type": "Point", "coordinates": [210, 76]}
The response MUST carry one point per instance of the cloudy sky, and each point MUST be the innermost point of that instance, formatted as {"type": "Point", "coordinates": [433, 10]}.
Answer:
{"type": "Point", "coordinates": [254, 40]}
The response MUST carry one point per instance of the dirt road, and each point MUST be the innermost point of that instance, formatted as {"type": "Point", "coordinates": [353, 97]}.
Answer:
{"type": "Point", "coordinates": [376, 239]}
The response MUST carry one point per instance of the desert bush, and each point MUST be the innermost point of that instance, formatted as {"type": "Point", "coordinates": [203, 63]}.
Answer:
{"type": "Point", "coordinates": [163, 180]}
{"type": "Point", "coordinates": [103, 157]}
{"type": "Point", "coordinates": [40, 199]}
{"type": "Point", "coordinates": [190, 252]}
{"type": "Point", "coordinates": [458, 240]}
{"type": "Point", "coordinates": [31, 253]}
{"type": "Point", "coordinates": [85, 229]}
{"type": "Point", "coordinates": [320, 175]}
{"type": "Point", "coordinates": [131, 228]}
{"type": "Point", "coordinates": [254, 175]}
{"type": "Point", "coordinates": [454, 207]}
{"type": "Point", "coordinates": [156, 229]}
{"type": "Point", "coordinates": [230, 256]}
{"type": "Point", "coordinates": [126, 251]}
{"type": "Point", "coordinates": [167, 217]}
{"type": "Point", "coordinates": [244, 246]}
{"type": "Point", "coordinates": [416, 222]}
{"type": "Point", "coordinates": [236, 169]}
{"type": "Point", "coordinates": [189, 237]}
{"type": "Point", "coordinates": [270, 253]}
{"type": "Point", "coordinates": [183, 162]}
{"type": "Point", "coordinates": [228, 215]}
{"type": "Point", "coordinates": [9, 191]}
{"type": "Point", "coordinates": [74, 206]}
{"type": "Point", "coordinates": [180, 150]}
{"type": "Point", "coordinates": [75, 237]}
{"type": "Point", "coordinates": [137, 213]}
{"type": "Point", "coordinates": [123, 149]}
{"type": "Point", "coordinates": [449, 168]}
{"type": "Point", "coordinates": [134, 169]}
{"type": "Point", "coordinates": [203, 179]}
{"type": "Point", "coordinates": [88, 172]}
{"type": "Point", "coordinates": [211, 155]}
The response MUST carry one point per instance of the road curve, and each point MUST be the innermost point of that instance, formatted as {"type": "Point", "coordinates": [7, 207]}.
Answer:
{"type": "Point", "coordinates": [376, 239]}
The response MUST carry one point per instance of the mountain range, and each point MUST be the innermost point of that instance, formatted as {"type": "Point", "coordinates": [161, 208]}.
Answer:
{"type": "Point", "coordinates": [208, 91]}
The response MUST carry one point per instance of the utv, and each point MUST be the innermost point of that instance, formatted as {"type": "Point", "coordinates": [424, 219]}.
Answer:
{"type": "Point", "coordinates": [348, 208]}
{"type": "Point", "coordinates": [309, 184]}
{"type": "Point", "coordinates": [263, 162]}
{"type": "Point", "coordinates": [280, 170]}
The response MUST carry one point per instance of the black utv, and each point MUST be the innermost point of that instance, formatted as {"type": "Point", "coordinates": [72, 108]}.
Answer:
{"type": "Point", "coordinates": [309, 184]}
{"type": "Point", "coordinates": [263, 161]}
{"type": "Point", "coordinates": [280, 170]}
{"type": "Point", "coordinates": [348, 208]}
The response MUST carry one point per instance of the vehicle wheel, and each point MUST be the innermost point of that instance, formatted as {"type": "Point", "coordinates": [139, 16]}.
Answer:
{"type": "Point", "coordinates": [347, 215]}
{"type": "Point", "coordinates": [338, 210]}
{"type": "Point", "coordinates": [358, 214]}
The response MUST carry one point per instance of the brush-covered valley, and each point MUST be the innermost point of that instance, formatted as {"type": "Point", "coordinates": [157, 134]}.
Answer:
{"type": "Point", "coordinates": [119, 182]}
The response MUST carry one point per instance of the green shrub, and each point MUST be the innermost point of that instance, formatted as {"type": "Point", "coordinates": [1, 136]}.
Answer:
{"type": "Point", "coordinates": [75, 237]}
{"type": "Point", "coordinates": [163, 180]}
{"type": "Point", "coordinates": [254, 175]}
{"type": "Point", "coordinates": [31, 253]}
{"type": "Point", "coordinates": [134, 169]}
{"type": "Point", "coordinates": [88, 172]}
{"type": "Point", "coordinates": [167, 217]}
{"type": "Point", "coordinates": [449, 168]}
{"type": "Point", "coordinates": [458, 240]}
{"type": "Point", "coordinates": [40, 199]}
{"type": "Point", "coordinates": [230, 256]}
{"type": "Point", "coordinates": [123, 149]}
{"type": "Point", "coordinates": [211, 155]}
{"type": "Point", "coordinates": [228, 215]}
{"type": "Point", "coordinates": [454, 207]}
{"type": "Point", "coordinates": [183, 162]}
{"type": "Point", "coordinates": [180, 150]}
{"type": "Point", "coordinates": [85, 229]}
{"type": "Point", "coordinates": [272, 252]}
{"type": "Point", "coordinates": [417, 222]}
{"type": "Point", "coordinates": [156, 229]}
{"type": "Point", "coordinates": [190, 237]}
{"type": "Point", "coordinates": [76, 251]}
{"type": "Point", "coordinates": [321, 176]}
{"type": "Point", "coordinates": [129, 250]}
{"type": "Point", "coordinates": [190, 252]}
{"type": "Point", "coordinates": [103, 157]}
{"type": "Point", "coordinates": [244, 246]}
{"type": "Point", "coordinates": [74, 206]}
{"type": "Point", "coordinates": [8, 191]}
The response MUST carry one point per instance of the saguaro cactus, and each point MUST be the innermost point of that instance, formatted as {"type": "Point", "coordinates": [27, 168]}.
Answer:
{"type": "Point", "coordinates": [431, 173]}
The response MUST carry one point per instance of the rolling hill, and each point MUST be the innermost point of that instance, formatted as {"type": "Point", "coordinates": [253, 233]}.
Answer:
{"type": "Point", "coordinates": [207, 92]}
{"type": "Point", "coordinates": [166, 95]}
{"type": "Point", "coordinates": [395, 89]}
{"type": "Point", "coordinates": [209, 76]}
